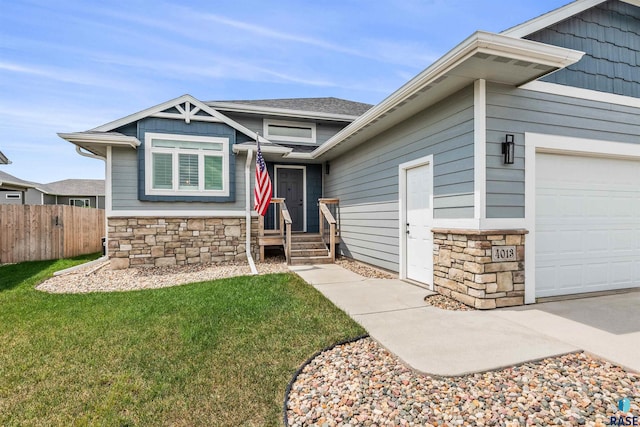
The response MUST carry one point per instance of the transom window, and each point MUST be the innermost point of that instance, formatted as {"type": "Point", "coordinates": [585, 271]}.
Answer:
{"type": "Point", "coordinates": [186, 165]}
{"type": "Point", "coordinates": [280, 130]}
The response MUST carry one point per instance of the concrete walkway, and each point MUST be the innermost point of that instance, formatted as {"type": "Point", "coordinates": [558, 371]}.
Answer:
{"type": "Point", "coordinates": [448, 343]}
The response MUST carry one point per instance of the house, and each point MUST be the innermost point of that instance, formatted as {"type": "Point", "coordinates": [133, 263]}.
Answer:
{"type": "Point", "coordinates": [74, 192]}
{"type": "Point", "coordinates": [84, 193]}
{"type": "Point", "coordinates": [13, 190]}
{"type": "Point", "coordinates": [505, 172]}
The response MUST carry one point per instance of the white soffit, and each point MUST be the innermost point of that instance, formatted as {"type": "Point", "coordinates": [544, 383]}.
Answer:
{"type": "Point", "coordinates": [492, 57]}
{"type": "Point", "coordinates": [97, 142]}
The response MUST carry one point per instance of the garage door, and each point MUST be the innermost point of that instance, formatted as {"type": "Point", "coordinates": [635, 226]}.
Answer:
{"type": "Point", "coordinates": [587, 224]}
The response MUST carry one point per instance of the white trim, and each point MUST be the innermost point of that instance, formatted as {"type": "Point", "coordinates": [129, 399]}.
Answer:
{"type": "Point", "coordinates": [632, 2]}
{"type": "Point", "coordinates": [480, 149]}
{"type": "Point", "coordinates": [265, 149]}
{"type": "Point", "coordinates": [172, 103]}
{"type": "Point", "coordinates": [149, 151]}
{"type": "Point", "coordinates": [179, 213]}
{"type": "Point", "coordinates": [580, 93]}
{"type": "Point", "coordinates": [246, 108]}
{"type": "Point", "coordinates": [13, 196]}
{"type": "Point", "coordinates": [100, 138]}
{"type": "Point", "coordinates": [304, 189]}
{"type": "Point", "coordinates": [402, 207]}
{"type": "Point", "coordinates": [247, 211]}
{"type": "Point", "coordinates": [551, 18]}
{"type": "Point", "coordinates": [108, 208]}
{"type": "Point", "coordinates": [289, 123]}
{"type": "Point", "coordinates": [544, 143]}
{"type": "Point", "coordinates": [479, 42]}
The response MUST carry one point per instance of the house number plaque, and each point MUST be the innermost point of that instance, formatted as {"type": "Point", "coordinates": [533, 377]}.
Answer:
{"type": "Point", "coordinates": [503, 253]}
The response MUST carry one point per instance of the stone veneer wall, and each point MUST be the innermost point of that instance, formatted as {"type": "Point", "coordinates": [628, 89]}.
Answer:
{"type": "Point", "coordinates": [156, 242]}
{"type": "Point", "coordinates": [463, 267]}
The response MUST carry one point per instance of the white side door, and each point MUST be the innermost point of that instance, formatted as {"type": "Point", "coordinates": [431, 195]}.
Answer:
{"type": "Point", "coordinates": [419, 246]}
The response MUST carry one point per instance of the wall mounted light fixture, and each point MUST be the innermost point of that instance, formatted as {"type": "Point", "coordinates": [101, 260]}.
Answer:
{"type": "Point", "coordinates": [509, 149]}
{"type": "Point", "coordinates": [327, 166]}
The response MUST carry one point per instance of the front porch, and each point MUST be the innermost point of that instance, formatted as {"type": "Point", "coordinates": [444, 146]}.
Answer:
{"type": "Point", "coordinates": [301, 247]}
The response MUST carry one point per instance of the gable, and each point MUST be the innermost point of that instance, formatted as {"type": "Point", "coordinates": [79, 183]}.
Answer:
{"type": "Point", "coordinates": [185, 108]}
{"type": "Point", "coordinates": [609, 34]}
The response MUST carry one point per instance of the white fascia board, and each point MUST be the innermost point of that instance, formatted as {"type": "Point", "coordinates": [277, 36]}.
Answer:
{"type": "Point", "coordinates": [632, 2]}
{"type": "Point", "coordinates": [171, 103]}
{"type": "Point", "coordinates": [245, 108]}
{"type": "Point", "coordinates": [265, 149]}
{"type": "Point", "coordinates": [179, 213]}
{"type": "Point", "coordinates": [298, 156]}
{"type": "Point", "coordinates": [479, 42]}
{"type": "Point", "coordinates": [100, 138]}
{"type": "Point", "coordinates": [551, 18]}
{"type": "Point", "coordinates": [17, 184]}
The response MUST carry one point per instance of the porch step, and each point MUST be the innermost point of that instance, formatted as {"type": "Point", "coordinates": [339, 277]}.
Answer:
{"type": "Point", "coordinates": [307, 245]}
{"type": "Point", "coordinates": [305, 238]}
{"type": "Point", "coordinates": [309, 260]}
{"type": "Point", "coordinates": [297, 252]}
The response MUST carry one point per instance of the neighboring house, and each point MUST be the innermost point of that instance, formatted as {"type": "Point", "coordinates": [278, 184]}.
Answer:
{"type": "Point", "coordinates": [74, 192]}
{"type": "Point", "coordinates": [506, 171]}
{"type": "Point", "coordinates": [84, 193]}
{"type": "Point", "coordinates": [13, 191]}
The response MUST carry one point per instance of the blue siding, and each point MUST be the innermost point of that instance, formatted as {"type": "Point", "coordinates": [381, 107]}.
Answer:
{"type": "Point", "coordinates": [179, 127]}
{"type": "Point", "coordinates": [516, 111]}
{"type": "Point", "coordinates": [609, 34]}
{"type": "Point", "coordinates": [365, 178]}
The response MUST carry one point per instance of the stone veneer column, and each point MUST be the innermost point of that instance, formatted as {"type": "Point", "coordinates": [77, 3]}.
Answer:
{"type": "Point", "coordinates": [157, 242]}
{"type": "Point", "coordinates": [463, 268]}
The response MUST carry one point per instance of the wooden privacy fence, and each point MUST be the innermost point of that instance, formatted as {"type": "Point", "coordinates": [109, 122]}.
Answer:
{"type": "Point", "coordinates": [38, 232]}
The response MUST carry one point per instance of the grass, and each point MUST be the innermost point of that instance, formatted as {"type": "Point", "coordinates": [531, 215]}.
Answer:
{"type": "Point", "coordinates": [211, 353]}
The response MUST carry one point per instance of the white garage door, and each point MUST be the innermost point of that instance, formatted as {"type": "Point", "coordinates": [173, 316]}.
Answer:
{"type": "Point", "coordinates": [587, 224]}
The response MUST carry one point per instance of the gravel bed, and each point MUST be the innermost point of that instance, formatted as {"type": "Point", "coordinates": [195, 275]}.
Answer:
{"type": "Point", "coordinates": [446, 303]}
{"type": "Point", "coordinates": [363, 269]}
{"type": "Point", "coordinates": [95, 279]}
{"type": "Point", "coordinates": [362, 384]}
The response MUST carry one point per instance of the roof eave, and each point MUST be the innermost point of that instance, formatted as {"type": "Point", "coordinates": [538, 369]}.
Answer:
{"type": "Point", "coordinates": [4, 160]}
{"type": "Point", "coordinates": [96, 143]}
{"type": "Point", "coordinates": [252, 109]}
{"type": "Point", "coordinates": [454, 61]}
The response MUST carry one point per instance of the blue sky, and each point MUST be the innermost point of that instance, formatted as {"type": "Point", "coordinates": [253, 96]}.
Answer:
{"type": "Point", "coordinates": [71, 65]}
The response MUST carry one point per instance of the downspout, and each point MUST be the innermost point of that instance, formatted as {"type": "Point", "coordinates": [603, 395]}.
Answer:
{"type": "Point", "coordinates": [247, 191]}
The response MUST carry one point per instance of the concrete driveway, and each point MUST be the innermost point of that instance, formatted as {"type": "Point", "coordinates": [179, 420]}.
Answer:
{"type": "Point", "coordinates": [451, 343]}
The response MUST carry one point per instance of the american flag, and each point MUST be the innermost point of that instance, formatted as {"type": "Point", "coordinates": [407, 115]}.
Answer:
{"type": "Point", "coordinates": [262, 191]}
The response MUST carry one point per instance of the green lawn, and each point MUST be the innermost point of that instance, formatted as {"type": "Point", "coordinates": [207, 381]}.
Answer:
{"type": "Point", "coordinates": [212, 353]}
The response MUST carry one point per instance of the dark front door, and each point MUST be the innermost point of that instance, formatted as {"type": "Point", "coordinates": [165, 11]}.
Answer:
{"type": "Point", "coordinates": [291, 187]}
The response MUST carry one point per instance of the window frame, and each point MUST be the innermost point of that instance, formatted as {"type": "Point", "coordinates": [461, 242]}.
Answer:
{"type": "Point", "coordinates": [13, 196]}
{"type": "Point", "coordinates": [87, 202]}
{"type": "Point", "coordinates": [149, 150]}
{"type": "Point", "coordinates": [290, 123]}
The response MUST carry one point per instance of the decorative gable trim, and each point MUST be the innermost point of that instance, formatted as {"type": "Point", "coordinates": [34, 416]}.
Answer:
{"type": "Point", "coordinates": [553, 17]}
{"type": "Point", "coordinates": [186, 108]}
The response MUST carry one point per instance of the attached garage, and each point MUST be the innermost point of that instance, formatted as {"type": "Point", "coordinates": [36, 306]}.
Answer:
{"type": "Point", "coordinates": [587, 218]}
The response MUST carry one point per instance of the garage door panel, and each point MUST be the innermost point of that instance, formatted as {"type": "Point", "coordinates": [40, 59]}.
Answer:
{"type": "Point", "coordinates": [587, 224]}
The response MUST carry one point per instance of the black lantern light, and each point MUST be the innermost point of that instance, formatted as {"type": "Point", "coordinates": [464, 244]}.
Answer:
{"type": "Point", "coordinates": [327, 167]}
{"type": "Point", "coordinates": [508, 150]}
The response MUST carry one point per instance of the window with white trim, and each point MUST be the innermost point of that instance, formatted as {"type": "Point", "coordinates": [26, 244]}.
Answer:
{"type": "Point", "coordinates": [13, 196]}
{"type": "Point", "coordinates": [81, 203]}
{"type": "Point", "coordinates": [186, 165]}
{"type": "Point", "coordinates": [280, 130]}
